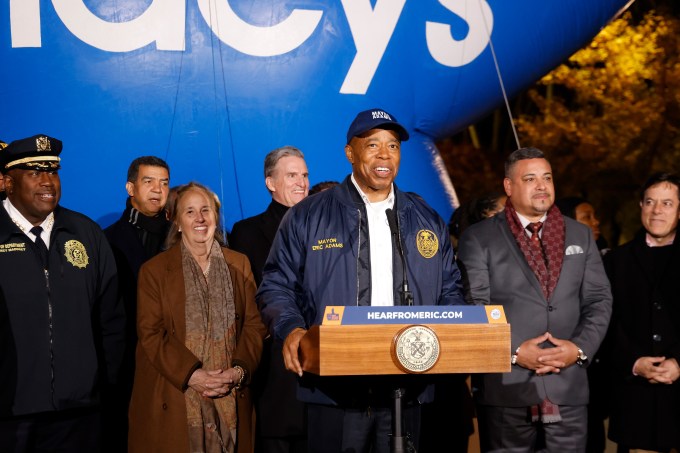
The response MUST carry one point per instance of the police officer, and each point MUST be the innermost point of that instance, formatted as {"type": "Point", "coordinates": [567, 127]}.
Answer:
{"type": "Point", "coordinates": [61, 325]}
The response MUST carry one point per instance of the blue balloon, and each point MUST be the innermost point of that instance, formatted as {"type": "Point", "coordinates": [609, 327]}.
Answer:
{"type": "Point", "coordinates": [213, 85]}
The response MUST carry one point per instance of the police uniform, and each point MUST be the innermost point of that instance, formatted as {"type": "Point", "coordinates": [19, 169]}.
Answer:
{"type": "Point", "coordinates": [61, 325]}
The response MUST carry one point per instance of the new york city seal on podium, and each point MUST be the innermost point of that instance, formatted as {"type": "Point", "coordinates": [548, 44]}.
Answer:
{"type": "Point", "coordinates": [415, 349]}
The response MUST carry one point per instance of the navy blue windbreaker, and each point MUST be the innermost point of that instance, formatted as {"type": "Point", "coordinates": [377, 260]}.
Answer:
{"type": "Point", "coordinates": [320, 257]}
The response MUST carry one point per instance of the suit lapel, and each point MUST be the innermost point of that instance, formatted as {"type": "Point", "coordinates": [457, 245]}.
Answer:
{"type": "Point", "coordinates": [519, 256]}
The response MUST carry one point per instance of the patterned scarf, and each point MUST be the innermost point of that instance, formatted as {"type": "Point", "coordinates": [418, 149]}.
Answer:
{"type": "Point", "coordinates": [547, 270]}
{"type": "Point", "coordinates": [211, 336]}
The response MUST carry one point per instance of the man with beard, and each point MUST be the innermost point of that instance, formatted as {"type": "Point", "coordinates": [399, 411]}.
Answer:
{"type": "Point", "coordinates": [546, 272]}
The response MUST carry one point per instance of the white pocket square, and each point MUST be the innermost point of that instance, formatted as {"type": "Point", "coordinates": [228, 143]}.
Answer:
{"type": "Point", "coordinates": [573, 250]}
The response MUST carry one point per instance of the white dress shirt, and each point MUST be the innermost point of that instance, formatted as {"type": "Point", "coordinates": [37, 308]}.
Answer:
{"type": "Point", "coordinates": [25, 226]}
{"type": "Point", "coordinates": [380, 241]}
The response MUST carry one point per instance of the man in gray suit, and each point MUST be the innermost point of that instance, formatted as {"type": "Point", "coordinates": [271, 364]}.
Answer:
{"type": "Point", "coordinates": [546, 271]}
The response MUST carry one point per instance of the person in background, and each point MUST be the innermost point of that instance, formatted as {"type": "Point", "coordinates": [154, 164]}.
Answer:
{"type": "Point", "coordinates": [449, 418]}
{"type": "Point", "coordinates": [546, 272]}
{"type": "Point", "coordinates": [583, 212]}
{"type": "Point", "coordinates": [361, 267]}
{"type": "Point", "coordinates": [135, 238]}
{"type": "Point", "coordinates": [62, 326]}
{"type": "Point", "coordinates": [473, 211]}
{"type": "Point", "coordinates": [321, 186]}
{"type": "Point", "coordinates": [200, 339]}
{"type": "Point", "coordinates": [170, 204]}
{"type": "Point", "coordinates": [287, 180]}
{"type": "Point", "coordinates": [281, 418]}
{"type": "Point", "coordinates": [644, 336]}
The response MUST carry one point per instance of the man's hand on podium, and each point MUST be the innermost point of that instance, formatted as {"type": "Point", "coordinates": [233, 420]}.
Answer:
{"type": "Point", "coordinates": [290, 350]}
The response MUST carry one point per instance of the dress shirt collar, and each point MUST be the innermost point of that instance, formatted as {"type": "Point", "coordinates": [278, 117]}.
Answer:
{"type": "Point", "coordinates": [652, 243]}
{"type": "Point", "coordinates": [524, 221]}
{"type": "Point", "coordinates": [387, 203]}
{"type": "Point", "coordinates": [25, 226]}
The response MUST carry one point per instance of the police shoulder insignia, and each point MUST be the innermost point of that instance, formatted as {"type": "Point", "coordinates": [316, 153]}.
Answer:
{"type": "Point", "coordinates": [427, 243]}
{"type": "Point", "coordinates": [76, 254]}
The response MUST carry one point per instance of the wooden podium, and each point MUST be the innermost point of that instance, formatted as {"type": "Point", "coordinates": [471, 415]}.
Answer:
{"type": "Point", "coordinates": [371, 340]}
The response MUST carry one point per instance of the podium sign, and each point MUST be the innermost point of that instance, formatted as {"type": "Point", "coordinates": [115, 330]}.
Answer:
{"type": "Point", "coordinates": [397, 340]}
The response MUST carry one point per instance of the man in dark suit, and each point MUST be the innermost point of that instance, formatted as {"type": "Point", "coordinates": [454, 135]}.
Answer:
{"type": "Point", "coordinates": [136, 237]}
{"type": "Point", "coordinates": [547, 273]}
{"type": "Point", "coordinates": [644, 337]}
{"type": "Point", "coordinates": [281, 424]}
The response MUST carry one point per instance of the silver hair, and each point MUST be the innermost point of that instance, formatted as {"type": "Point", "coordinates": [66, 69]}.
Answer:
{"type": "Point", "coordinates": [274, 156]}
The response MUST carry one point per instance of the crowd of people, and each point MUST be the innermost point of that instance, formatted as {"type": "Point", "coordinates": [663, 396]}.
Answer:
{"type": "Point", "coordinates": [157, 334]}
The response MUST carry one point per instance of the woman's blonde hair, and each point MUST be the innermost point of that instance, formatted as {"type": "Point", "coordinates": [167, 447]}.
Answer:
{"type": "Point", "coordinates": [174, 234]}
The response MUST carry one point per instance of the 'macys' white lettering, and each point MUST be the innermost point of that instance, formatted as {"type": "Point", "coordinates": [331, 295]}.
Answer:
{"type": "Point", "coordinates": [371, 29]}
{"type": "Point", "coordinates": [449, 52]}
{"type": "Point", "coordinates": [259, 41]}
{"type": "Point", "coordinates": [163, 24]}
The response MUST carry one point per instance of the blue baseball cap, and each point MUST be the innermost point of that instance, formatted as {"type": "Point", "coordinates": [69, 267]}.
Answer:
{"type": "Point", "coordinates": [375, 119]}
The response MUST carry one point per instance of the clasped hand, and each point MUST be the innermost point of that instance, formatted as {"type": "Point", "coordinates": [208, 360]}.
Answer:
{"type": "Point", "coordinates": [214, 383]}
{"type": "Point", "coordinates": [657, 370]}
{"type": "Point", "coordinates": [546, 360]}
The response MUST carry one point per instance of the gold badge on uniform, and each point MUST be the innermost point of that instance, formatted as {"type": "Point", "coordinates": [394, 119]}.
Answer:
{"type": "Point", "coordinates": [427, 243]}
{"type": "Point", "coordinates": [76, 254]}
{"type": "Point", "coordinates": [42, 143]}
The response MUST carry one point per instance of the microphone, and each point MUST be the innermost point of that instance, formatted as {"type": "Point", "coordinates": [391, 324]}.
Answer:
{"type": "Point", "coordinates": [392, 221]}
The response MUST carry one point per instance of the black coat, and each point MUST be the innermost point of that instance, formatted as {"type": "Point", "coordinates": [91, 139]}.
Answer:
{"type": "Point", "coordinates": [279, 413]}
{"type": "Point", "coordinates": [254, 236]}
{"type": "Point", "coordinates": [61, 333]}
{"type": "Point", "coordinates": [130, 253]}
{"type": "Point", "coordinates": [645, 322]}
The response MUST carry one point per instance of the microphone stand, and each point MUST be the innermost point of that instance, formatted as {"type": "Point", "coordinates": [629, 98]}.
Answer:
{"type": "Point", "coordinates": [405, 294]}
{"type": "Point", "coordinates": [398, 442]}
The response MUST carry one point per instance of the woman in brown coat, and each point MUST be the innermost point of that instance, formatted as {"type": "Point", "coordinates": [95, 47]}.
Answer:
{"type": "Point", "coordinates": [200, 339]}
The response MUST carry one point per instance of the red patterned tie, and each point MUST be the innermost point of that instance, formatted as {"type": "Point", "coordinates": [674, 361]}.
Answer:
{"type": "Point", "coordinates": [535, 227]}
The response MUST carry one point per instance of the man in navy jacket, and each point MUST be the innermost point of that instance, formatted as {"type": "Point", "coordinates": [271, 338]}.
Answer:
{"type": "Point", "coordinates": [337, 248]}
